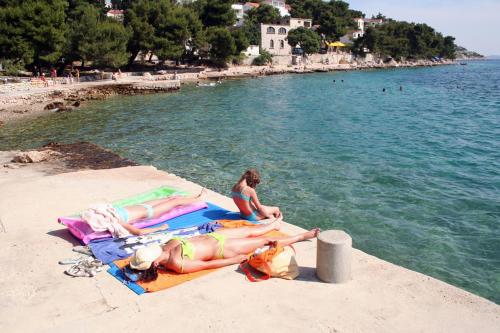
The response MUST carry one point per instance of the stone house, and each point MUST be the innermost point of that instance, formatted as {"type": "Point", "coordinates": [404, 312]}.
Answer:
{"type": "Point", "coordinates": [274, 37]}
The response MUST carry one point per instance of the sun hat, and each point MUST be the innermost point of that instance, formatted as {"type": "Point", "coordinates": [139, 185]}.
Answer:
{"type": "Point", "coordinates": [144, 257]}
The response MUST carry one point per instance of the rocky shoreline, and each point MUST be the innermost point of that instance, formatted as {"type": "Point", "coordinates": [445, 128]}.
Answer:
{"type": "Point", "coordinates": [18, 103]}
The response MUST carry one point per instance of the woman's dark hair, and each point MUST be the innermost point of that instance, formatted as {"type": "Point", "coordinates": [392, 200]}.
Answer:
{"type": "Point", "coordinates": [252, 177]}
{"type": "Point", "coordinates": [147, 275]}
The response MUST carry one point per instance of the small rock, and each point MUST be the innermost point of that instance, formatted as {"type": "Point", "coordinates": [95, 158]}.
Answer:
{"type": "Point", "coordinates": [76, 104]}
{"type": "Point", "coordinates": [11, 166]}
{"type": "Point", "coordinates": [33, 156]}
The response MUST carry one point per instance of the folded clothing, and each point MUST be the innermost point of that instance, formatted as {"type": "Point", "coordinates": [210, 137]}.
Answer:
{"type": "Point", "coordinates": [104, 217]}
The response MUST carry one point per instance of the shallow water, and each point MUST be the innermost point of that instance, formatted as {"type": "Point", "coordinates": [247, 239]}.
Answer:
{"type": "Point", "coordinates": [412, 175]}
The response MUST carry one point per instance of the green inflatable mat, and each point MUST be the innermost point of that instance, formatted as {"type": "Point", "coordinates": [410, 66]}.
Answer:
{"type": "Point", "coordinates": [158, 193]}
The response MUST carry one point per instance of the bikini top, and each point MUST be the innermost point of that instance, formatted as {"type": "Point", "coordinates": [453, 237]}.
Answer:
{"type": "Point", "coordinates": [240, 195]}
{"type": "Point", "coordinates": [186, 247]}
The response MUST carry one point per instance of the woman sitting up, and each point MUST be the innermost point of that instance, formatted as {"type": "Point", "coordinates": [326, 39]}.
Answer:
{"type": "Point", "coordinates": [222, 248]}
{"type": "Point", "coordinates": [245, 197]}
{"type": "Point", "coordinates": [119, 220]}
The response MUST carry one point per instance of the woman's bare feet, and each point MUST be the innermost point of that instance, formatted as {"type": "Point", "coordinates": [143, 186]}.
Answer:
{"type": "Point", "coordinates": [277, 223]}
{"type": "Point", "coordinates": [313, 233]}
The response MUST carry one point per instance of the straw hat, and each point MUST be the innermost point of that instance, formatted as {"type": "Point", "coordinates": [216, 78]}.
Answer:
{"type": "Point", "coordinates": [144, 257]}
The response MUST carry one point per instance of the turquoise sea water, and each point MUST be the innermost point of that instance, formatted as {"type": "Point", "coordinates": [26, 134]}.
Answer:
{"type": "Point", "coordinates": [412, 175]}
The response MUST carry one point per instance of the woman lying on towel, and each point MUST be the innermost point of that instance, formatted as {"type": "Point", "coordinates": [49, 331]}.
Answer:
{"type": "Point", "coordinates": [119, 220]}
{"type": "Point", "coordinates": [222, 248]}
{"type": "Point", "coordinates": [245, 197]}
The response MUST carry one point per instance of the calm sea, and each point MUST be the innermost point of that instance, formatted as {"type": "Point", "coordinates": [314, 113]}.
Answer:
{"type": "Point", "coordinates": [412, 175]}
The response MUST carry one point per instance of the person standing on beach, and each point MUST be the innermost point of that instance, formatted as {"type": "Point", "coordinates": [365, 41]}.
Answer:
{"type": "Point", "coordinates": [77, 74]}
{"type": "Point", "coordinates": [53, 74]}
{"type": "Point", "coordinates": [245, 197]}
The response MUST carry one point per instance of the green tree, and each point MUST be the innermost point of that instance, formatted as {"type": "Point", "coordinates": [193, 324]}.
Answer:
{"type": "Point", "coordinates": [163, 28]}
{"type": "Point", "coordinates": [449, 47]}
{"type": "Point", "coordinates": [403, 39]}
{"type": "Point", "coordinates": [263, 14]}
{"type": "Point", "coordinates": [215, 12]}
{"type": "Point", "coordinates": [32, 31]}
{"type": "Point", "coordinates": [222, 45]}
{"type": "Point", "coordinates": [263, 59]}
{"type": "Point", "coordinates": [94, 37]}
{"type": "Point", "coordinates": [309, 40]}
{"type": "Point", "coordinates": [333, 27]}
{"type": "Point", "coordinates": [240, 41]}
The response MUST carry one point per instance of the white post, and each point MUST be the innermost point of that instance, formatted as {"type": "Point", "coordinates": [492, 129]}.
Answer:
{"type": "Point", "coordinates": [333, 260]}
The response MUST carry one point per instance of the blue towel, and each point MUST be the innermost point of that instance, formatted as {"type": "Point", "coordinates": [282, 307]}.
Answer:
{"type": "Point", "coordinates": [192, 224]}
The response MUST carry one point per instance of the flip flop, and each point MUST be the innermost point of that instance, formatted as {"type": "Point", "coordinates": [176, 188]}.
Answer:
{"type": "Point", "coordinates": [83, 250]}
{"type": "Point", "coordinates": [71, 261]}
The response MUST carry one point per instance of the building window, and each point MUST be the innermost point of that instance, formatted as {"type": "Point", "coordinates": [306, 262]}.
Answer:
{"type": "Point", "coordinates": [271, 44]}
{"type": "Point", "coordinates": [282, 31]}
{"type": "Point", "coordinates": [307, 24]}
{"type": "Point", "coordinates": [282, 44]}
{"type": "Point", "coordinates": [270, 30]}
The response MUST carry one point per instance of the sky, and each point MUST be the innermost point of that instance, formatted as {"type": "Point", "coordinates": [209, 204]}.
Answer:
{"type": "Point", "coordinates": [474, 23]}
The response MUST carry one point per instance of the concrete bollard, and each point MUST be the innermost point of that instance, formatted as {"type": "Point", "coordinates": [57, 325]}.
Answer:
{"type": "Point", "coordinates": [333, 259]}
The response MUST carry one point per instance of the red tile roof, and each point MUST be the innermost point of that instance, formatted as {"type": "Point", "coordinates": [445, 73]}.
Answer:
{"type": "Point", "coordinates": [252, 4]}
{"type": "Point", "coordinates": [115, 11]}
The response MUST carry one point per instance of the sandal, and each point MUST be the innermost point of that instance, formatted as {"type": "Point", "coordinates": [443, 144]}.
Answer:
{"type": "Point", "coordinates": [78, 271]}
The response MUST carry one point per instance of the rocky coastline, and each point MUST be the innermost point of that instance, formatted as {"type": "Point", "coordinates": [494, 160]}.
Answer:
{"type": "Point", "coordinates": [19, 101]}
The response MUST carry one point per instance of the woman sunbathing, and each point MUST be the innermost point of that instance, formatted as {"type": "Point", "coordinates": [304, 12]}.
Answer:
{"type": "Point", "coordinates": [245, 197]}
{"type": "Point", "coordinates": [119, 220]}
{"type": "Point", "coordinates": [222, 248]}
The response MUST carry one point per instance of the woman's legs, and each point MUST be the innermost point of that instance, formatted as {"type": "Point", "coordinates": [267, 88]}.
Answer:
{"type": "Point", "coordinates": [245, 232]}
{"type": "Point", "coordinates": [238, 246]}
{"type": "Point", "coordinates": [160, 206]}
{"type": "Point", "coordinates": [271, 210]}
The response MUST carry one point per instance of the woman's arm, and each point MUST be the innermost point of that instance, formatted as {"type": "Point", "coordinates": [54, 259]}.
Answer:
{"type": "Point", "coordinates": [260, 208]}
{"type": "Point", "coordinates": [136, 231]}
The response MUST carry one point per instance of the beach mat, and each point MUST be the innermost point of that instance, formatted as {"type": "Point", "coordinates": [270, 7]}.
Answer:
{"type": "Point", "coordinates": [82, 230]}
{"type": "Point", "coordinates": [194, 223]}
{"type": "Point", "coordinates": [166, 279]}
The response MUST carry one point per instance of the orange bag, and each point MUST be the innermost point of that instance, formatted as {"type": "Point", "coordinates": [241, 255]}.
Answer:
{"type": "Point", "coordinates": [277, 261]}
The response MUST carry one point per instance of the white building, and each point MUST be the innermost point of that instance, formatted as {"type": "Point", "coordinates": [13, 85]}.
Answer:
{"type": "Point", "coordinates": [279, 5]}
{"type": "Point", "coordinates": [363, 24]}
{"type": "Point", "coordinates": [274, 37]}
{"type": "Point", "coordinates": [240, 13]}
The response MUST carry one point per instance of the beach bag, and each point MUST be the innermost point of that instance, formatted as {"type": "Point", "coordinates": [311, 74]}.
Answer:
{"type": "Point", "coordinates": [277, 261]}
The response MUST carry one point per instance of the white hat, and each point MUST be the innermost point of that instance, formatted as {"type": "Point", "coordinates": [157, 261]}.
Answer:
{"type": "Point", "coordinates": [144, 257]}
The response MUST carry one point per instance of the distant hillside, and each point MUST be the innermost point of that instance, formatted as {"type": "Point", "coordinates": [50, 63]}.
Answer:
{"type": "Point", "coordinates": [463, 53]}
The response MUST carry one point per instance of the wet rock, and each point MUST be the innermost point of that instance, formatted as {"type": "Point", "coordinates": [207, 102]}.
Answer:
{"type": "Point", "coordinates": [64, 108]}
{"type": "Point", "coordinates": [77, 103]}
{"type": "Point", "coordinates": [53, 105]}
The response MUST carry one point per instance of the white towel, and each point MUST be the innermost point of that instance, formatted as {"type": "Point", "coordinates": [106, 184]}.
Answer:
{"type": "Point", "coordinates": [104, 217]}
